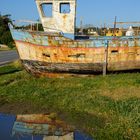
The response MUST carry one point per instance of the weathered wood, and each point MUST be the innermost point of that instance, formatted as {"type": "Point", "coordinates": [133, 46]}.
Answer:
{"type": "Point", "coordinates": [105, 59]}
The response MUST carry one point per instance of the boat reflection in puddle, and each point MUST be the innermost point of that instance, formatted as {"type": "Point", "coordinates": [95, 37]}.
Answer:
{"type": "Point", "coordinates": [37, 127]}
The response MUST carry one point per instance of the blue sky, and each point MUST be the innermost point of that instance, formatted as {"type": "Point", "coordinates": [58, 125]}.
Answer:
{"type": "Point", "coordinates": [96, 12]}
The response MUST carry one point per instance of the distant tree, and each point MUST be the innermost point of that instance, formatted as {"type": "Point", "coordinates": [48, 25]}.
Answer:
{"type": "Point", "coordinates": [5, 35]}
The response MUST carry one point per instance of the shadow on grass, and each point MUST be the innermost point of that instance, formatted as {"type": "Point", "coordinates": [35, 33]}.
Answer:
{"type": "Point", "coordinates": [9, 69]}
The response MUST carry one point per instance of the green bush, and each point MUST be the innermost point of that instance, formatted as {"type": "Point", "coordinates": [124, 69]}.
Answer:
{"type": "Point", "coordinates": [5, 35]}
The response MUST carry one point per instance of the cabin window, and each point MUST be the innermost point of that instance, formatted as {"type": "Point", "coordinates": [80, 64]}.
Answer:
{"type": "Point", "coordinates": [64, 8]}
{"type": "Point", "coordinates": [47, 9]}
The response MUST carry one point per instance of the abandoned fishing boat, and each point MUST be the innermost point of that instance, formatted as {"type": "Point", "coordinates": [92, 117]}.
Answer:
{"type": "Point", "coordinates": [56, 50]}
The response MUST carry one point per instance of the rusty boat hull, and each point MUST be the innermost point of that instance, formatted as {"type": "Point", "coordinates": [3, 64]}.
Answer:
{"type": "Point", "coordinates": [44, 54]}
{"type": "Point", "coordinates": [57, 51]}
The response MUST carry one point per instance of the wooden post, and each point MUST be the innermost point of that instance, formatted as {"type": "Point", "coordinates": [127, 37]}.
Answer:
{"type": "Point", "coordinates": [37, 26]}
{"type": "Point", "coordinates": [105, 59]}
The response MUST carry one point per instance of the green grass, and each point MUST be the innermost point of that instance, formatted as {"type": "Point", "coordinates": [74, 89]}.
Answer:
{"type": "Point", "coordinates": [7, 49]}
{"type": "Point", "coordinates": [108, 108]}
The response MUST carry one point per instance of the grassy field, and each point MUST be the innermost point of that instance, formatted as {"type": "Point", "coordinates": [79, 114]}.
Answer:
{"type": "Point", "coordinates": [108, 108]}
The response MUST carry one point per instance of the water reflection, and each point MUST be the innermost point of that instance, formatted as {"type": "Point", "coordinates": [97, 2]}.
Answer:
{"type": "Point", "coordinates": [37, 127]}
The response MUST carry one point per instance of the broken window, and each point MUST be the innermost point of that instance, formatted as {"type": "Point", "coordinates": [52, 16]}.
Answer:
{"type": "Point", "coordinates": [64, 8]}
{"type": "Point", "coordinates": [47, 9]}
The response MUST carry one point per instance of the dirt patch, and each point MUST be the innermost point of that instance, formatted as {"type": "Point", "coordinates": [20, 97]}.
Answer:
{"type": "Point", "coordinates": [21, 108]}
{"type": "Point", "coordinates": [123, 93]}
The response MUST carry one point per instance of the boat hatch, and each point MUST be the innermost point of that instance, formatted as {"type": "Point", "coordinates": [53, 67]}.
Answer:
{"type": "Point", "coordinates": [57, 15]}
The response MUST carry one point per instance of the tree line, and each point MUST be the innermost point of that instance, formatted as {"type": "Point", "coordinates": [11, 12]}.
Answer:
{"type": "Point", "coordinates": [5, 35]}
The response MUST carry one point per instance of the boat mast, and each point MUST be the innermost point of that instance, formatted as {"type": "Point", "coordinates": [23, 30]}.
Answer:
{"type": "Point", "coordinates": [115, 25]}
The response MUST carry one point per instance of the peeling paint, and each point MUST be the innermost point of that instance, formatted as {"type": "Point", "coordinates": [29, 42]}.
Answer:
{"type": "Point", "coordinates": [64, 22]}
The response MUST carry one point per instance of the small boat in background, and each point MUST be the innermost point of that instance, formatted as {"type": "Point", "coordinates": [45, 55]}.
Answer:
{"type": "Point", "coordinates": [57, 51]}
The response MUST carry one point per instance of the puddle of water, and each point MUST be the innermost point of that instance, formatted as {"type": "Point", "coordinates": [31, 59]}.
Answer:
{"type": "Point", "coordinates": [6, 125]}
{"type": "Point", "coordinates": [34, 127]}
